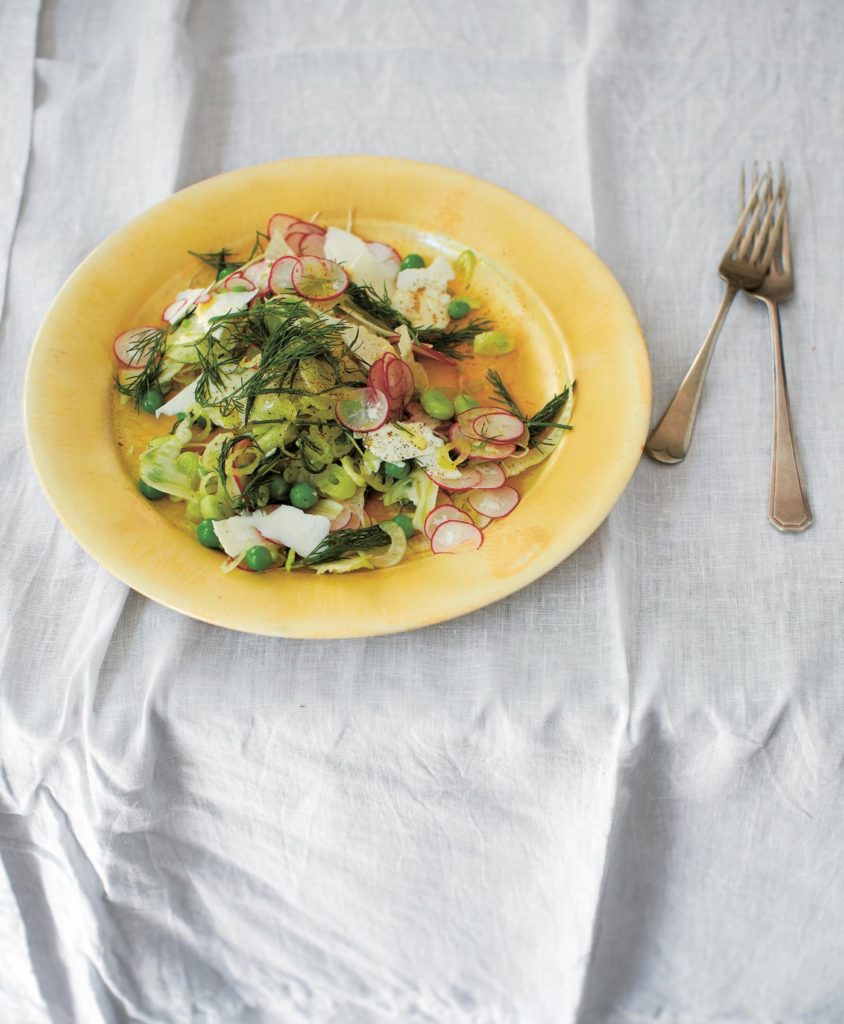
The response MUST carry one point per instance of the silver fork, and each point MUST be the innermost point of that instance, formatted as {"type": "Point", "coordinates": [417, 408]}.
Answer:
{"type": "Point", "coordinates": [744, 265]}
{"type": "Point", "coordinates": [788, 508]}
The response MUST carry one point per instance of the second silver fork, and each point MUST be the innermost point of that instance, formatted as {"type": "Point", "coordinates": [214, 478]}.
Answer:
{"type": "Point", "coordinates": [788, 507]}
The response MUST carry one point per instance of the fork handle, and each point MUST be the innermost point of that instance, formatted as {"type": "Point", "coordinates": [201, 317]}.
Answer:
{"type": "Point", "coordinates": [788, 508]}
{"type": "Point", "coordinates": [670, 439]}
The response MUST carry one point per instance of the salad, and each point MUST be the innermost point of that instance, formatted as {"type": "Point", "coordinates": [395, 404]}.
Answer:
{"type": "Point", "coordinates": [299, 425]}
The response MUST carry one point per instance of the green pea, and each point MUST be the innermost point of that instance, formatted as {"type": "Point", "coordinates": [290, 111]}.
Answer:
{"type": "Point", "coordinates": [180, 416]}
{"type": "Point", "coordinates": [303, 496]}
{"type": "Point", "coordinates": [436, 404]}
{"type": "Point", "coordinates": [206, 535]}
{"type": "Point", "coordinates": [259, 558]}
{"type": "Point", "coordinates": [406, 523]}
{"type": "Point", "coordinates": [458, 308]}
{"type": "Point", "coordinates": [149, 492]}
{"type": "Point", "coordinates": [397, 470]}
{"type": "Point", "coordinates": [413, 261]}
{"type": "Point", "coordinates": [464, 402]}
{"type": "Point", "coordinates": [152, 400]}
{"type": "Point", "coordinates": [279, 487]}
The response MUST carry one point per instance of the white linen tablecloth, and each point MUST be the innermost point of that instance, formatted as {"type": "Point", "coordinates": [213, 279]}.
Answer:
{"type": "Point", "coordinates": [616, 796]}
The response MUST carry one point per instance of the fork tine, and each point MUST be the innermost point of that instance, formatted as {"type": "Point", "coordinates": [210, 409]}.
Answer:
{"type": "Point", "coordinates": [744, 235]}
{"type": "Point", "coordinates": [747, 218]}
{"type": "Point", "coordinates": [776, 232]}
{"type": "Point", "coordinates": [785, 248]}
{"type": "Point", "coordinates": [764, 231]}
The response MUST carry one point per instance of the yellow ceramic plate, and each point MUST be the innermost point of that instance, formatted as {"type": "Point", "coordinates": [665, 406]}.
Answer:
{"type": "Point", "coordinates": [568, 313]}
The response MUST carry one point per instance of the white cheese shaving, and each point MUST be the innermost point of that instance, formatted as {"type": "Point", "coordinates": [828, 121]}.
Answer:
{"type": "Point", "coordinates": [236, 535]}
{"type": "Point", "coordinates": [360, 262]}
{"type": "Point", "coordinates": [293, 528]}
{"type": "Point", "coordinates": [286, 525]}
{"type": "Point", "coordinates": [400, 442]}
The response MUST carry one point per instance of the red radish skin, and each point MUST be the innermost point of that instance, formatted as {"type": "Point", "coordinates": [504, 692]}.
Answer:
{"type": "Point", "coordinates": [279, 223]}
{"type": "Point", "coordinates": [319, 279]}
{"type": "Point", "coordinates": [442, 514]}
{"type": "Point", "coordinates": [122, 348]}
{"type": "Point", "coordinates": [172, 312]}
{"type": "Point", "coordinates": [433, 355]}
{"type": "Point", "coordinates": [473, 449]}
{"type": "Point", "coordinates": [394, 377]}
{"type": "Point", "coordinates": [497, 428]}
{"type": "Point", "coordinates": [456, 538]}
{"type": "Point", "coordinates": [496, 503]}
{"type": "Point", "coordinates": [237, 279]}
{"type": "Point", "coordinates": [258, 274]}
{"type": "Point", "coordinates": [305, 227]}
{"type": "Point", "coordinates": [485, 415]}
{"type": "Point", "coordinates": [312, 245]}
{"type": "Point", "coordinates": [492, 475]}
{"type": "Point", "coordinates": [467, 481]}
{"type": "Point", "coordinates": [293, 240]}
{"type": "Point", "coordinates": [364, 410]}
{"type": "Point", "coordinates": [281, 274]}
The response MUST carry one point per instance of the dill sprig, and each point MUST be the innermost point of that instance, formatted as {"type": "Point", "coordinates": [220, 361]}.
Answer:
{"type": "Point", "coordinates": [148, 346]}
{"type": "Point", "coordinates": [218, 261]}
{"type": "Point", "coordinates": [540, 421]}
{"type": "Point", "coordinates": [545, 419]}
{"type": "Point", "coordinates": [221, 262]}
{"type": "Point", "coordinates": [342, 542]}
{"type": "Point", "coordinates": [285, 332]}
{"type": "Point", "coordinates": [501, 391]}
{"type": "Point", "coordinates": [364, 299]}
{"type": "Point", "coordinates": [450, 339]}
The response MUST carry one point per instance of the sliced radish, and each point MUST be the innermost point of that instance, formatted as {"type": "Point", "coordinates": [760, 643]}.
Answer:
{"type": "Point", "coordinates": [294, 240]}
{"type": "Point", "coordinates": [364, 410]}
{"type": "Point", "coordinates": [238, 282]}
{"type": "Point", "coordinates": [399, 379]}
{"type": "Point", "coordinates": [258, 274]}
{"type": "Point", "coordinates": [431, 353]}
{"type": "Point", "coordinates": [468, 480]}
{"type": "Point", "coordinates": [341, 520]}
{"type": "Point", "coordinates": [176, 309]}
{"type": "Point", "coordinates": [383, 253]}
{"type": "Point", "coordinates": [454, 538]}
{"type": "Point", "coordinates": [392, 375]}
{"type": "Point", "coordinates": [495, 503]}
{"type": "Point", "coordinates": [497, 427]}
{"type": "Point", "coordinates": [305, 227]}
{"type": "Point", "coordinates": [471, 448]}
{"type": "Point", "coordinates": [442, 514]}
{"type": "Point", "coordinates": [279, 223]}
{"type": "Point", "coordinates": [492, 475]}
{"type": "Point", "coordinates": [311, 245]}
{"type": "Point", "coordinates": [467, 418]}
{"type": "Point", "coordinates": [124, 346]}
{"type": "Point", "coordinates": [281, 274]}
{"type": "Point", "coordinates": [318, 279]}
